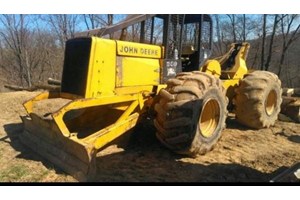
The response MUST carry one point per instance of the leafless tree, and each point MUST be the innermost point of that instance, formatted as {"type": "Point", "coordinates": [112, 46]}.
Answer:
{"type": "Point", "coordinates": [27, 54]}
{"type": "Point", "coordinates": [289, 33]}
{"type": "Point", "coordinates": [233, 25]}
{"type": "Point", "coordinates": [218, 34]}
{"type": "Point", "coordinates": [92, 21]}
{"type": "Point", "coordinates": [271, 43]}
{"type": "Point", "coordinates": [233, 28]}
{"type": "Point", "coordinates": [15, 36]}
{"type": "Point", "coordinates": [63, 25]}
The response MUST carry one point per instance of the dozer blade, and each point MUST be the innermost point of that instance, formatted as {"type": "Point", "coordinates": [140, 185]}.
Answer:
{"type": "Point", "coordinates": [43, 137]}
{"type": "Point", "coordinates": [70, 132]}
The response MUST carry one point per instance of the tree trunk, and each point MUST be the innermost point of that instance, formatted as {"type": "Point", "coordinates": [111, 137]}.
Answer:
{"type": "Point", "coordinates": [267, 64]}
{"type": "Point", "coordinates": [232, 20]}
{"type": "Point", "coordinates": [110, 18]}
{"type": "Point", "coordinates": [244, 27]}
{"type": "Point", "coordinates": [262, 60]}
{"type": "Point", "coordinates": [219, 43]}
{"type": "Point", "coordinates": [255, 59]}
{"type": "Point", "coordinates": [27, 68]}
{"type": "Point", "coordinates": [282, 57]}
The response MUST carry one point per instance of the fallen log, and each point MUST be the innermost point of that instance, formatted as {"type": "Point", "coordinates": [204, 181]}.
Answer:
{"type": "Point", "coordinates": [291, 108]}
{"type": "Point", "coordinates": [52, 81]}
{"type": "Point", "coordinates": [291, 92]}
{"type": "Point", "coordinates": [284, 118]}
{"type": "Point", "coordinates": [48, 87]}
{"type": "Point", "coordinates": [290, 100]}
{"type": "Point", "coordinates": [33, 88]}
{"type": "Point", "coordinates": [15, 87]}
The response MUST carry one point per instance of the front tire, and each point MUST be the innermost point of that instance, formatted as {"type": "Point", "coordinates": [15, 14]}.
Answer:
{"type": "Point", "coordinates": [191, 113]}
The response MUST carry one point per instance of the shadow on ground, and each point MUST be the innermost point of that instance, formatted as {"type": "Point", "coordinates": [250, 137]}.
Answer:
{"type": "Point", "coordinates": [13, 131]}
{"type": "Point", "coordinates": [231, 123]}
{"type": "Point", "coordinates": [294, 138]}
{"type": "Point", "coordinates": [291, 138]}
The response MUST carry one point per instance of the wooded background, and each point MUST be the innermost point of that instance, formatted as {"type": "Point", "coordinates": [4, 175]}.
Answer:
{"type": "Point", "coordinates": [32, 46]}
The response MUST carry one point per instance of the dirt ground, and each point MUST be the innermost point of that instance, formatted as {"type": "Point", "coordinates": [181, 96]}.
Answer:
{"type": "Point", "coordinates": [242, 154]}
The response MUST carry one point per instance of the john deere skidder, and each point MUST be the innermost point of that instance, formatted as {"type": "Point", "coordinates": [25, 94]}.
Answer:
{"type": "Point", "coordinates": [108, 84]}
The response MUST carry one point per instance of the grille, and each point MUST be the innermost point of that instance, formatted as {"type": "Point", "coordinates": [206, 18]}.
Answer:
{"type": "Point", "coordinates": [75, 71]}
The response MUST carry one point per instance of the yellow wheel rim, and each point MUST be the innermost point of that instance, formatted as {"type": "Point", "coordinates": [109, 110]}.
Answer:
{"type": "Point", "coordinates": [209, 118]}
{"type": "Point", "coordinates": [271, 102]}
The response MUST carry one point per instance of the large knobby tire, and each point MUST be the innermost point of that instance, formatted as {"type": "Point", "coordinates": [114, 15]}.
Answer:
{"type": "Point", "coordinates": [258, 99]}
{"type": "Point", "coordinates": [191, 113]}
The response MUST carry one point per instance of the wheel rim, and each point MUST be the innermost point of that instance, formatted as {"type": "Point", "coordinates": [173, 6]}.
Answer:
{"type": "Point", "coordinates": [271, 102]}
{"type": "Point", "coordinates": [209, 118]}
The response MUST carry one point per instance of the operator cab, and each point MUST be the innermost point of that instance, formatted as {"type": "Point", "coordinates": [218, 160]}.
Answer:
{"type": "Point", "coordinates": [196, 51]}
{"type": "Point", "coordinates": [187, 40]}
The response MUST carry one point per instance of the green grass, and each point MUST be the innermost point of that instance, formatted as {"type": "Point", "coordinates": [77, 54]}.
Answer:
{"type": "Point", "coordinates": [22, 173]}
{"type": "Point", "coordinates": [14, 173]}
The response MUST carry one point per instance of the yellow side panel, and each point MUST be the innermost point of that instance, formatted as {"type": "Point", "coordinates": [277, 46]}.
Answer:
{"type": "Point", "coordinates": [138, 50]}
{"type": "Point", "coordinates": [230, 85]}
{"type": "Point", "coordinates": [102, 68]}
{"type": "Point", "coordinates": [137, 71]}
{"type": "Point", "coordinates": [212, 67]}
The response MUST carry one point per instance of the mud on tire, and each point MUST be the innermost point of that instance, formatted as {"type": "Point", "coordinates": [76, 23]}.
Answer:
{"type": "Point", "coordinates": [191, 113]}
{"type": "Point", "coordinates": [258, 99]}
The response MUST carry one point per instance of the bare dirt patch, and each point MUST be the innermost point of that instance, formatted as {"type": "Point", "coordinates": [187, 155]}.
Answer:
{"type": "Point", "coordinates": [240, 155]}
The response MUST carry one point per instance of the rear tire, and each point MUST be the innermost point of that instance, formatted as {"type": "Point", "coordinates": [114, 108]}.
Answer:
{"type": "Point", "coordinates": [191, 113]}
{"type": "Point", "coordinates": [258, 99]}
